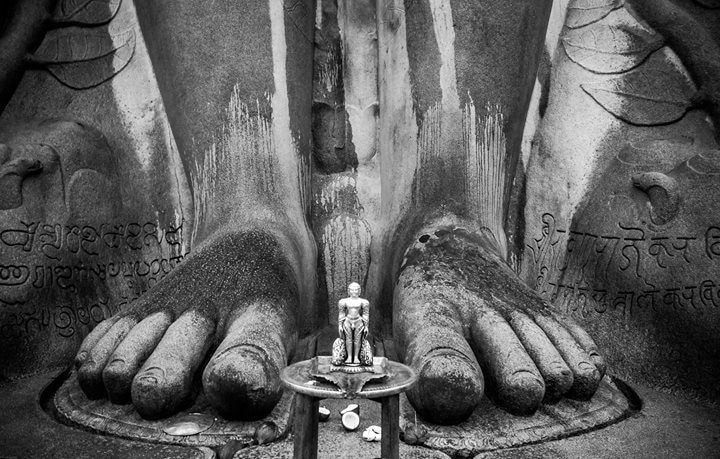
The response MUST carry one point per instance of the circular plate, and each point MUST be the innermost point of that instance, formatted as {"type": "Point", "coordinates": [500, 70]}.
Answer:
{"type": "Point", "coordinates": [299, 378]}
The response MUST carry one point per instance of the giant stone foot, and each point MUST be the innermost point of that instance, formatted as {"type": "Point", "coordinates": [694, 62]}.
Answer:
{"type": "Point", "coordinates": [469, 326]}
{"type": "Point", "coordinates": [235, 298]}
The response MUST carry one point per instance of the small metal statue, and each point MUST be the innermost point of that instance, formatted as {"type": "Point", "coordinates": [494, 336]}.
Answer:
{"type": "Point", "coordinates": [351, 350]}
{"type": "Point", "coordinates": [352, 364]}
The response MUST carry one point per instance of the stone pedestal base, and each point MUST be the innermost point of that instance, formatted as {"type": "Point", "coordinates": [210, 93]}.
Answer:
{"type": "Point", "coordinates": [488, 428]}
{"type": "Point", "coordinates": [123, 421]}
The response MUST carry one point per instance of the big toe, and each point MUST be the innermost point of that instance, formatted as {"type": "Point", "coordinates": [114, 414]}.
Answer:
{"type": "Point", "coordinates": [449, 387]}
{"type": "Point", "coordinates": [242, 379]}
{"type": "Point", "coordinates": [242, 383]}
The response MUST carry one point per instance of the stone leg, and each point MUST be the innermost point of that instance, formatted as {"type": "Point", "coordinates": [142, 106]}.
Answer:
{"type": "Point", "coordinates": [459, 90]}
{"type": "Point", "coordinates": [248, 303]}
{"type": "Point", "coordinates": [236, 84]}
{"type": "Point", "coordinates": [478, 322]}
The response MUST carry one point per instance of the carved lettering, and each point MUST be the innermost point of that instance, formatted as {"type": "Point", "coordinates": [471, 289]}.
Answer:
{"type": "Point", "coordinates": [70, 277]}
{"type": "Point", "coordinates": [631, 252]}
{"type": "Point", "coordinates": [14, 274]}
{"type": "Point", "coordinates": [712, 242]}
{"type": "Point", "coordinates": [173, 235]}
{"type": "Point", "coordinates": [64, 319]}
{"type": "Point", "coordinates": [627, 272]}
{"type": "Point", "coordinates": [112, 235]}
{"type": "Point", "coordinates": [709, 294]}
{"type": "Point", "coordinates": [53, 270]}
{"type": "Point", "coordinates": [20, 237]}
{"type": "Point", "coordinates": [90, 236]}
{"type": "Point", "coordinates": [624, 301]}
{"type": "Point", "coordinates": [56, 241]}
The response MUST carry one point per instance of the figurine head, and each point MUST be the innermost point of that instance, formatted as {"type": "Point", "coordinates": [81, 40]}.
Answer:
{"type": "Point", "coordinates": [354, 290]}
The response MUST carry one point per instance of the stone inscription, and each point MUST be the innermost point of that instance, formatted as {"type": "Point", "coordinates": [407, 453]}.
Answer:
{"type": "Point", "coordinates": [69, 277]}
{"type": "Point", "coordinates": [56, 240]}
{"type": "Point", "coordinates": [629, 271]}
{"type": "Point", "coordinates": [62, 277]}
{"type": "Point", "coordinates": [31, 320]}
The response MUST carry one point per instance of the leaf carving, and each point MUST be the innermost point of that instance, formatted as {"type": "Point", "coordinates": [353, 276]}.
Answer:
{"type": "Point", "coordinates": [712, 4]}
{"type": "Point", "coordinates": [654, 94]}
{"type": "Point", "coordinates": [610, 49]}
{"type": "Point", "coordinates": [82, 59]}
{"type": "Point", "coordinates": [584, 12]}
{"type": "Point", "coordinates": [86, 12]}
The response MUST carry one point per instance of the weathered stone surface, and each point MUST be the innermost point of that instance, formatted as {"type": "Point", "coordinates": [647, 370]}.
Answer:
{"type": "Point", "coordinates": [104, 218]}
{"type": "Point", "coordinates": [613, 47]}
{"type": "Point", "coordinates": [457, 301]}
{"type": "Point", "coordinates": [655, 94]}
{"type": "Point", "coordinates": [583, 12]}
{"type": "Point", "coordinates": [122, 420]}
{"type": "Point", "coordinates": [619, 229]}
{"type": "Point", "coordinates": [244, 166]}
{"type": "Point", "coordinates": [411, 196]}
{"type": "Point", "coordinates": [251, 276]}
{"type": "Point", "coordinates": [490, 428]}
{"type": "Point", "coordinates": [81, 58]}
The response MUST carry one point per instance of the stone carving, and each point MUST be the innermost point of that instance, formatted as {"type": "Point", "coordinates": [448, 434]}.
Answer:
{"type": "Point", "coordinates": [437, 249]}
{"type": "Point", "coordinates": [624, 247]}
{"type": "Point", "coordinates": [82, 59]}
{"type": "Point", "coordinates": [698, 51]}
{"type": "Point", "coordinates": [12, 173]}
{"type": "Point", "coordinates": [584, 12]}
{"type": "Point", "coordinates": [352, 348]}
{"type": "Point", "coordinates": [68, 38]}
{"type": "Point", "coordinates": [492, 428]}
{"type": "Point", "coordinates": [85, 12]}
{"type": "Point", "coordinates": [604, 48]}
{"type": "Point", "coordinates": [427, 212]}
{"type": "Point", "coordinates": [653, 94]}
{"type": "Point", "coordinates": [592, 259]}
{"type": "Point", "coordinates": [67, 263]}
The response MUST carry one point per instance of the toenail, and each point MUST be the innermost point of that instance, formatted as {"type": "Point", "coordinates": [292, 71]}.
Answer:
{"type": "Point", "coordinates": [587, 366]}
{"type": "Point", "coordinates": [152, 375]}
{"type": "Point", "coordinates": [523, 378]}
{"type": "Point", "coordinates": [244, 349]}
{"type": "Point", "coordinates": [562, 370]}
{"type": "Point", "coordinates": [117, 364]}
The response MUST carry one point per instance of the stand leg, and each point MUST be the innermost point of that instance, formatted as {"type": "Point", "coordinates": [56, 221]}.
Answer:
{"type": "Point", "coordinates": [305, 428]}
{"type": "Point", "coordinates": [390, 442]}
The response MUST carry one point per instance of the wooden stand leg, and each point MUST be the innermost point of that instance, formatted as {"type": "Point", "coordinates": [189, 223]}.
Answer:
{"type": "Point", "coordinates": [305, 428]}
{"type": "Point", "coordinates": [390, 442]}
